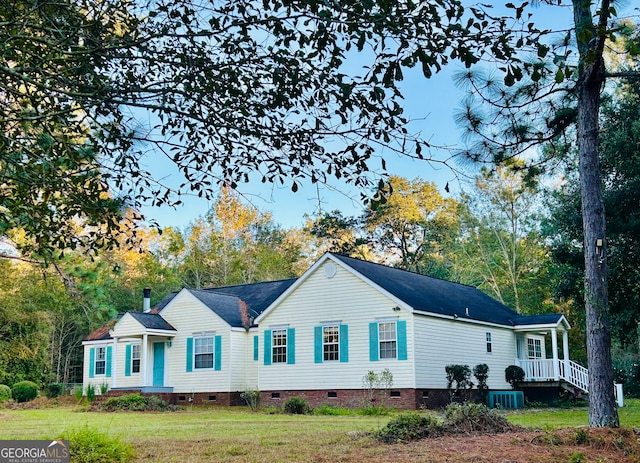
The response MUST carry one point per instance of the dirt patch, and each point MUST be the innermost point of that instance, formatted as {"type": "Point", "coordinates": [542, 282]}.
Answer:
{"type": "Point", "coordinates": [579, 445]}
{"type": "Point", "coordinates": [42, 402]}
{"type": "Point", "coordinates": [576, 445]}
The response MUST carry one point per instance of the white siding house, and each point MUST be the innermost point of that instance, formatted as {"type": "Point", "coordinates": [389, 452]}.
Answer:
{"type": "Point", "coordinates": [319, 335]}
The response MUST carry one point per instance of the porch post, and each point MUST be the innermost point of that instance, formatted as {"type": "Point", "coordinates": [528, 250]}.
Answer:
{"type": "Point", "coordinates": [143, 360]}
{"type": "Point", "coordinates": [554, 348]}
{"type": "Point", "coordinates": [114, 362]}
{"type": "Point", "coordinates": [565, 353]}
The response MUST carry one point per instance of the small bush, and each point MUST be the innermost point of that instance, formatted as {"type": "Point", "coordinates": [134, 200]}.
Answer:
{"type": "Point", "coordinates": [470, 418]}
{"type": "Point", "coordinates": [24, 391]}
{"type": "Point", "coordinates": [514, 375]}
{"type": "Point", "coordinates": [5, 393]}
{"type": "Point", "coordinates": [91, 392]}
{"type": "Point", "coordinates": [89, 446]}
{"type": "Point", "coordinates": [78, 393]}
{"type": "Point", "coordinates": [251, 398]}
{"type": "Point", "coordinates": [136, 403]}
{"type": "Point", "coordinates": [409, 426]}
{"type": "Point", "coordinates": [53, 390]}
{"type": "Point", "coordinates": [296, 406]}
{"type": "Point", "coordinates": [104, 388]}
{"type": "Point", "coordinates": [481, 372]}
{"type": "Point", "coordinates": [460, 375]}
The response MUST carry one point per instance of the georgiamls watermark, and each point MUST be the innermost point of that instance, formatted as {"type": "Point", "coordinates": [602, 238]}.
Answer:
{"type": "Point", "coordinates": [34, 451]}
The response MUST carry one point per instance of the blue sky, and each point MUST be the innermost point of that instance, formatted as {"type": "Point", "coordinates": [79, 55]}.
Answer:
{"type": "Point", "coordinates": [431, 102]}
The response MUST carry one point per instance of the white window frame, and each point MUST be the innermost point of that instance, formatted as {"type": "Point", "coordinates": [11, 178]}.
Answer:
{"type": "Point", "coordinates": [100, 362]}
{"type": "Point", "coordinates": [203, 346]}
{"type": "Point", "coordinates": [534, 345]}
{"type": "Point", "coordinates": [489, 342]}
{"type": "Point", "coordinates": [387, 340]}
{"type": "Point", "coordinates": [135, 357]}
{"type": "Point", "coordinates": [331, 343]}
{"type": "Point", "coordinates": [279, 345]}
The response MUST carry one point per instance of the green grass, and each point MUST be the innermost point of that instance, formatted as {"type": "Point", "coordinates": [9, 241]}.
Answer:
{"type": "Point", "coordinates": [554, 418]}
{"type": "Point", "coordinates": [199, 423]}
{"type": "Point", "coordinates": [239, 435]}
{"type": "Point", "coordinates": [187, 424]}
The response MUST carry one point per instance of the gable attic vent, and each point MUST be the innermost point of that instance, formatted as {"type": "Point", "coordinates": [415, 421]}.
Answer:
{"type": "Point", "coordinates": [330, 270]}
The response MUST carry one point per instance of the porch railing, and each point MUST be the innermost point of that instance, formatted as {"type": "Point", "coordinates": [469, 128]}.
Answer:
{"type": "Point", "coordinates": [555, 370]}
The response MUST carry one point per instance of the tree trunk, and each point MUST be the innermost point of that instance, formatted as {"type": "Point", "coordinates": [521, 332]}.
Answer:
{"type": "Point", "coordinates": [602, 406]}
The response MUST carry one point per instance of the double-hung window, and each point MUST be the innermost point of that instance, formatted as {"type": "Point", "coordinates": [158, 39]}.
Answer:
{"type": "Point", "coordinates": [101, 361]}
{"type": "Point", "coordinates": [387, 338]}
{"type": "Point", "coordinates": [135, 358]}
{"type": "Point", "coordinates": [489, 343]}
{"type": "Point", "coordinates": [279, 346]}
{"type": "Point", "coordinates": [331, 343]}
{"type": "Point", "coordinates": [534, 348]}
{"type": "Point", "coordinates": [203, 352]}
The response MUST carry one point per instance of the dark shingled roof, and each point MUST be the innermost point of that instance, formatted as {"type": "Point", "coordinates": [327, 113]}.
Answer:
{"type": "Point", "coordinates": [152, 321]}
{"type": "Point", "coordinates": [225, 301]}
{"type": "Point", "coordinates": [442, 297]}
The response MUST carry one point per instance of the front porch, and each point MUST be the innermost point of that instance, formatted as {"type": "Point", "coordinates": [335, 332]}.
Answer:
{"type": "Point", "coordinates": [532, 355]}
{"type": "Point", "coordinates": [555, 370]}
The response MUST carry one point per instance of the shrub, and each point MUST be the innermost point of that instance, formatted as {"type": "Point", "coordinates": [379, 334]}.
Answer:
{"type": "Point", "coordinates": [136, 403]}
{"type": "Point", "coordinates": [78, 392]}
{"type": "Point", "coordinates": [481, 372]}
{"type": "Point", "coordinates": [91, 392]}
{"type": "Point", "coordinates": [470, 418]}
{"type": "Point", "coordinates": [104, 388]}
{"type": "Point", "coordinates": [296, 406]}
{"type": "Point", "coordinates": [460, 375]}
{"type": "Point", "coordinates": [5, 393]}
{"type": "Point", "coordinates": [89, 446]}
{"type": "Point", "coordinates": [251, 398]}
{"type": "Point", "coordinates": [514, 375]}
{"type": "Point", "coordinates": [377, 382]}
{"type": "Point", "coordinates": [24, 391]}
{"type": "Point", "coordinates": [53, 390]}
{"type": "Point", "coordinates": [409, 426]}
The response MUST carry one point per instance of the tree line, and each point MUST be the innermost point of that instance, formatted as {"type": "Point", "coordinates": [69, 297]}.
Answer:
{"type": "Point", "coordinates": [515, 238]}
{"type": "Point", "coordinates": [237, 90]}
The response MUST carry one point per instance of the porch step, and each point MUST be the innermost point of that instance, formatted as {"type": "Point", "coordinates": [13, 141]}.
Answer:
{"type": "Point", "coordinates": [575, 391]}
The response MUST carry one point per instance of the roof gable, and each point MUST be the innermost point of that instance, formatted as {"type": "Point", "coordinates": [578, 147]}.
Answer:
{"type": "Point", "coordinates": [151, 321]}
{"type": "Point", "coordinates": [228, 301]}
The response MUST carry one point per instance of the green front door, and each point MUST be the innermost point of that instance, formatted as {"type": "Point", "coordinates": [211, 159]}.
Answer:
{"type": "Point", "coordinates": [158, 363]}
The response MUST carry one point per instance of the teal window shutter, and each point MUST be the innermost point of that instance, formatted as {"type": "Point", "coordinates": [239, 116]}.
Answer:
{"type": "Point", "coordinates": [127, 360]}
{"type": "Point", "coordinates": [108, 365]}
{"type": "Point", "coordinates": [218, 353]}
{"type": "Point", "coordinates": [255, 348]}
{"type": "Point", "coordinates": [291, 346]}
{"type": "Point", "coordinates": [317, 344]}
{"type": "Point", "coordinates": [92, 362]}
{"type": "Point", "coordinates": [373, 342]}
{"type": "Point", "coordinates": [344, 343]}
{"type": "Point", "coordinates": [267, 347]}
{"type": "Point", "coordinates": [401, 327]}
{"type": "Point", "coordinates": [189, 354]}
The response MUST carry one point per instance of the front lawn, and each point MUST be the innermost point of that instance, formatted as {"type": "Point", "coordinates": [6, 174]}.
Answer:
{"type": "Point", "coordinates": [239, 435]}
